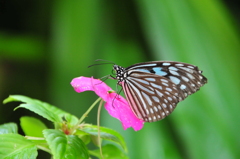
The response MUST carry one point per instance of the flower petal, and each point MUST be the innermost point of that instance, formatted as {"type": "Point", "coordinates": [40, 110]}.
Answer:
{"type": "Point", "coordinates": [115, 104]}
{"type": "Point", "coordinates": [101, 89]}
{"type": "Point", "coordinates": [118, 107]}
{"type": "Point", "coordinates": [81, 84]}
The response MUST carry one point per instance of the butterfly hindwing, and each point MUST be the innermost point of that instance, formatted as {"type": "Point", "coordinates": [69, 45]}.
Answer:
{"type": "Point", "coordinates": [151, 97]}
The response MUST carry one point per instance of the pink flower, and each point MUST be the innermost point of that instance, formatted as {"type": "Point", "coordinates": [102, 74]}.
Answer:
{"type": "Point", "coordinates": [115, 104]}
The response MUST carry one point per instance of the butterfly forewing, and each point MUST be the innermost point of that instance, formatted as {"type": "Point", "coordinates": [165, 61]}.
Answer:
{"type": "Point", "coordinates": [153, 89]}
{"type": "Point", "coordinates": [187, 77]}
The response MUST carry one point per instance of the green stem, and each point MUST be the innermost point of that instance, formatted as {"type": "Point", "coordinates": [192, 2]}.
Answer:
{"type": "Point", "coordinates": [44, 149]}
{"type": "Point", "coordinates": [34, 138]}
{"type": "Point", "coordinates": [87, 112]}
{"type": "Point", "coordinates": [98, 125]}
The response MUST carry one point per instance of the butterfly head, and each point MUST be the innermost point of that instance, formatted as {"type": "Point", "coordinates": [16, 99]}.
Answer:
{"type": "Point", "coordinates": [119, 72]}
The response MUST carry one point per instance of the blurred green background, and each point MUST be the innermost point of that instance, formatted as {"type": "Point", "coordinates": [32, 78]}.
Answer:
{"type": "Point", "coordinates": [45, 44]}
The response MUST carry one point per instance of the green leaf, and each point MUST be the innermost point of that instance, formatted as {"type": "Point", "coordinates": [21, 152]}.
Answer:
{"type": "Point", "coordinates": [85, 137]}
{"type": "Point", "coordinates": [65, 146]}
{"type": "Point", "coordinates": [105, 133]}
{"type": "Point", "coordinates": [14, 146]}
{"type": "Point", "coordinates": [109, 152]}
{"type": "Point", "coordinates": [8, 128]}
{"type": "Point", "coordinates": [95, 140]}
{"type": "Point", "coordinates": [41, 108]}
{"type": "Point", "coordinates": [32, 126]}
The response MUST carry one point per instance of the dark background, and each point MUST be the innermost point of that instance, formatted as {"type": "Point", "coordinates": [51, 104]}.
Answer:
{"type": "Point", "coordinates": [45, 44]}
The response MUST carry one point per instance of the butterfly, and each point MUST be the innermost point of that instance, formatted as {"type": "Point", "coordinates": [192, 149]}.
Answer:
{"type": "Point", "coordinates": [153, 89]}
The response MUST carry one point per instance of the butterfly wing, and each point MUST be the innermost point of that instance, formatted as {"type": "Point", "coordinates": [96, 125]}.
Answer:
{"type": "Point", "coordinates": [187, 77]}
{"type": "Point", "coordinates": [151, 97]}
{"type": "Point", "coordinates": [153, 89]}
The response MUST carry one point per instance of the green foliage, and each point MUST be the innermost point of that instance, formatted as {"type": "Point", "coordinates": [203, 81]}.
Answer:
{"type": "Point", "coordinates": [109, 152]}
{"type": "Point", "coordinates": [68, 139]}
{"type": "Point", "coordinates": [16, 146]}
{"type": "Point", "coordinates": [32, 126]}
{"type": "Point", "coordinates": [65, 146]}
{"type": "Point", "coordinates": [44, 109]}
{"type": "Point", "coordinates": [105, 133]}
{"type": "Point", "coordinates": [8, 128]}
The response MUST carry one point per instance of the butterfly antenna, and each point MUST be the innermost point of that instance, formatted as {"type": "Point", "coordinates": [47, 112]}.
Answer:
{"type": "Point", "coordinates": [106, 62]}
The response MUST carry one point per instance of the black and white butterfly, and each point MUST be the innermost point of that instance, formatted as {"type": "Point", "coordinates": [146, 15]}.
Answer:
{"type": "Point", "coordinates": [153, 89]}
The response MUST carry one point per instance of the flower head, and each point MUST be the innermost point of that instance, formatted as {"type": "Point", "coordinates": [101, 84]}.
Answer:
{"type": "Point", "coordinates": [115, 104]}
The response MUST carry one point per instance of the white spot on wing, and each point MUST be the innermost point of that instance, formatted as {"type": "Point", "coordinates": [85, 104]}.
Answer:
{"type": "Point", "coordinates": [164, 105]}
{"type": "Point", "coordinates": [183, 86]}
{"type": "Point", "coordinates": [163, 80]}
{"type": "Point", "coordinates": [145, 65]}
{"type": "Point", "coordinates": [173, 68]}
{"type": "Point", "coordinates": [159, 93]}
{"type": "Point", "coordinates": [190, 76]}
{"type": "Point", "coordinates": [174, 79]}
{"type": "Point", "coordinates": [142, 81]}
{"type": "Point", "coordinates": [190, 67]}
{"type": "Point", "coordinates": [156, 86]}
{"type": "Point", "coordinates": [165, 84]}
{"type": "Point", "coordinates": [187, 69]}
{"type": "Point", "coordinates": [146, 89]}
{"type": "Point", "coordinates": [167, 93]}
{"type": "Point", "coordinates": [147, 111]}
{"type": "Point", "coordinates": [147, 98]}
{"type": "Point", "coordinates": [179, 64]}
{"type": "Point", "coordinates": [166, 64]}
{"type": "Point", "coordinates": [174, 72]}
{"type": "Point", "coordinates": [151, 79]}
{"type": "Point", "coordinates": [156, 99]}
{"type": "Point", "coordinates": [185, 78]}
{"type": "Point", "coordinates": [151, 110]}
{"type": "Point", "coordinates": [169, 89]}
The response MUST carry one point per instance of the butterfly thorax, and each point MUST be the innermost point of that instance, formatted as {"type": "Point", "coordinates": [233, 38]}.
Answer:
{"type": "Point", "coordinates": [121, 73]}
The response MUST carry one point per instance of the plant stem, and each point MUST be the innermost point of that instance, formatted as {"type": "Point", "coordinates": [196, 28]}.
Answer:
{"type": "Point", "coordinates": [44, 149]}
{"type": "Point", "coordinates": [98, 124]}
{"type": "Point", "coordinates": [34, 138]}
{"type": "Point", "coordinates": [87, 112]}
